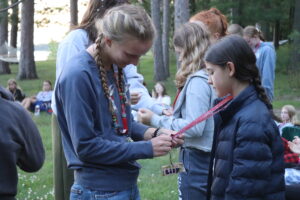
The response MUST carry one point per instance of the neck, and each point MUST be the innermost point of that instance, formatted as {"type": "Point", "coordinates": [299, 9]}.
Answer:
{"type": "Point", "coordinates": [239, 87]}
{"type": "Point", "coordinates": [104, 56]}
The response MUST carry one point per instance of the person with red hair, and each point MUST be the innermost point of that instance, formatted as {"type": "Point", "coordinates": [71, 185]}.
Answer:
{"type": "Point", "coordinates": [215, 21]}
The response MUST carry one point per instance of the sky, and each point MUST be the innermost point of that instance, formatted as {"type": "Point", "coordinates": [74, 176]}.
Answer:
{"type": "Point", "coordinates": [59, 21]}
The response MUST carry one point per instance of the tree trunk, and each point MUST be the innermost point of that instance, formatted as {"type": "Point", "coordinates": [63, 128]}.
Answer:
{"type": "Point", "coordinates": [74, 13]}
{"type": "Point", "coordinates": [276, 34]}
{"type": "Point", "coordinates": [159, 72]}
{"type": "Point", "coordinates": [27, 69]}
{"type": "Point", "coordinates": [181, 15]}
{"type": "Point", "coordinates": [294, 66]}
{"type": "Point", "coordinates": [165, 36]}
{"type": "Point", "coordinates": [4, 66]}
{"type": "Point", "coordinates": [14, 25]}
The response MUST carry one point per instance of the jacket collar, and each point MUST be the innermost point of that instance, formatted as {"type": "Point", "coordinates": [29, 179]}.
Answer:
{"type": "Point", "coordinates": [247, 96]}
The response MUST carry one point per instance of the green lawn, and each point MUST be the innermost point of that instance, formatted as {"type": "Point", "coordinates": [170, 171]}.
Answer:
{"type": "Point", "coordinates": [152, 185]}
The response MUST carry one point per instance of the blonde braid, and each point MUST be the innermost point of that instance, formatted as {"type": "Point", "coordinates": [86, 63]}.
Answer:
{"type": "Point", "coordinates": [102, 71]}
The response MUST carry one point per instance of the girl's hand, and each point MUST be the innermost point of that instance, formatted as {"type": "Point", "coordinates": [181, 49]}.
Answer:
{"type": "Point", "coordinates": [294, 147]}
{"type": "Point", "coordinates": [167, 112]}
{"type": "Point", "coordinates": [176, 141]}
{"type": "Point", "coordinates": [161, 145]}
{"type": "Point", "coordinates": [296, 140]}
{"type": "Point", "coordinates": [134, 97]}
{"type": "Point", "coordinates": [144, 116]}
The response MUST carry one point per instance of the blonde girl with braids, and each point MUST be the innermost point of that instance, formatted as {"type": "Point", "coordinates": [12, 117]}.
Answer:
{"type": "Point", "coordinates": [196, 97]}
{"type": "Point", "coordinates": [78, 39]}
{"type": "Point", "coordinates": [265, 58]}
{"type": "Point", "coordinates": [247, 152]}
{"type": "Point", "coordinates": [94, 113]}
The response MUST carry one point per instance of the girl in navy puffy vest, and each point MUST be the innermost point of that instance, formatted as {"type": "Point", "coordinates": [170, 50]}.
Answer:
{"type": "Point", "coordinates": [247, 149]}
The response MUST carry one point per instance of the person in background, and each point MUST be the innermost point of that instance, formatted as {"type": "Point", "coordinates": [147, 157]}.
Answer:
{"type": "Point", "coordinates": [265, 58]}
{"type": "Point", "coordinates": [195, 97]}
{"type": "Point", "coordinates": [94, 113]}
{"type": "Point", "coordinates": [247, 152]}
{"type": "Point", "coordinates": [288, 117]}
{"type": "Point", "coordinates": [235, 29]}
{"type": "Point", "coordinates": [21, 145]}
{"type": "Point", "coordinates": [159, 94]}
{"type": "Point", "coordinates": [15, 90]}
{"type": "Point", "coordinates": [42, 99]}
{"type": "Point", "coordinates": [214, 20]}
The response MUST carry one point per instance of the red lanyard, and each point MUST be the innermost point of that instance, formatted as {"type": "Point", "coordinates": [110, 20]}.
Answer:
{"type": "Point", "coordinates": [217, 108]}
{"type": "Point", "coordinates": [177, 95]}
{"type": "Point", "coordinates": [123, 106]}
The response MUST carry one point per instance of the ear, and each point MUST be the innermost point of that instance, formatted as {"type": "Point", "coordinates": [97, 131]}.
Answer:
{"type": "Point", "coordinates": [230, 66]}
{"type": "Point", "coordinates": [107, 41]}
{"type": "Point", "coordinates": [217, 36]}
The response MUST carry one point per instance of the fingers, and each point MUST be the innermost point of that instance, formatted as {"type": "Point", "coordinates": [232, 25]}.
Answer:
{"type": "Point", "coordinates": [177, 141]}
{"type": "Point", "coordinates": [144, 116]}
{"type": "Point", "coordinates": [135, 97]}
{"type": "Point", "coordinates": [161, 145]}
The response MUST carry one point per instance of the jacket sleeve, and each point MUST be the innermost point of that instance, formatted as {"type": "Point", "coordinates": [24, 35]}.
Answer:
{"type": "Point", "coordinates": [197, 102]}
{"type": "Point", "coordinates": [268, 71]}
{"type": "Point", "coordinates": [32, 156]}
{"type": "Point", "coordinates": [252, 159]}
{"type": "Point", "coordinates": [135, 81]}
{"type": "Point", "coordinates": [88, 144]}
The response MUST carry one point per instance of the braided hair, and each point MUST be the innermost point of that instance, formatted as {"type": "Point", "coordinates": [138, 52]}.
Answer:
{"type": "Point", "coordinates": [118, 24]}
{"type": "Point", "coordinates": [235, 49]}
{"type": "Point", "coordinates": [95, 10]}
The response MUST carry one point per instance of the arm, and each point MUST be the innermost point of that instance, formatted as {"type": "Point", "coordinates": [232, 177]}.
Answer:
{"type": "Point", "coordinates": [136, 84]}
{"type": "Point", "coordinates": [89, 144]}
{"type": "Point", "coordinates": [32, 156]}
{"type": "Point", "coordinates": [252, 160]}
{"type": "Point", "coordinates": [193, 110]}
{"type": "Point", "coordinates": [268, 73]}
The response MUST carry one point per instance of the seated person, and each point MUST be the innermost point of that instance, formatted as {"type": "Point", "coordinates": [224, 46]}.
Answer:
{"type": "Point", "coordinates": [159, 94]}
{"type": "Point", "coordinates": [43, 99]}
{"type": "Point", "coordinates": [292, 175]}
{"type": "Point", "coordinates": [15, 90]}
{"type": "Point", "coordinates": [288, 113]}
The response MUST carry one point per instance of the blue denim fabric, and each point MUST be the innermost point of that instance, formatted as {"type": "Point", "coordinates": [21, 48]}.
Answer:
{"type": "Point", "coordinates": [78, 192]}
{"type": "Point", "coordinates": [192, 184]}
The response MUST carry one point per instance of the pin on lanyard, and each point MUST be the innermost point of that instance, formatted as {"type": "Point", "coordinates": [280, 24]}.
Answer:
{"type": "Point", "coordinates": [217, 108]}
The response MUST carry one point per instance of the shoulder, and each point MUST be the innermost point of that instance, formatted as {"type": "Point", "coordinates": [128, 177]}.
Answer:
{"type": "Point", "coordinates": [267, 47]}
{"type": "Point", "coordinates": [75, 35]}
{"type": "Point", "coordinates": [77, 38]}
{"type": "Point", "coordinates": [198, 81]}
{"type": "Point", "coordinates": [13, 111]}
{"type": "Point", "coordinates": [255, 122]}
{"type": "Point", "coordinates": [79, 68]}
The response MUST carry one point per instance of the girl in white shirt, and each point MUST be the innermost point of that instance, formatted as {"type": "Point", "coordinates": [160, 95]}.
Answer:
{"type": "Point", "coordinates": [159, 94]}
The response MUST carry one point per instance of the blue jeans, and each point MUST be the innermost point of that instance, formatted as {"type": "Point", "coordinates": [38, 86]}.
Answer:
{"type": "Point", "coordinates": [78, 192]}
{"type": "Point", "coordinates": [192, 184]}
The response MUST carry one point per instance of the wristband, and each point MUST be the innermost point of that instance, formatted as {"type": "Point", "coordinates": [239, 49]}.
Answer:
{"type": "Point", "coordinates": [155, 133]}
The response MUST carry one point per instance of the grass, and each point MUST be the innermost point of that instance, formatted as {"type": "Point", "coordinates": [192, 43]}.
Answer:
{"type": "Point", "coordinates": [152, 185]}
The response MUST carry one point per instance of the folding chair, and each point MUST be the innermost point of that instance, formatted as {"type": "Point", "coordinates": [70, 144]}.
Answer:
{"type": "Point", "coordinates": [290, 132]}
